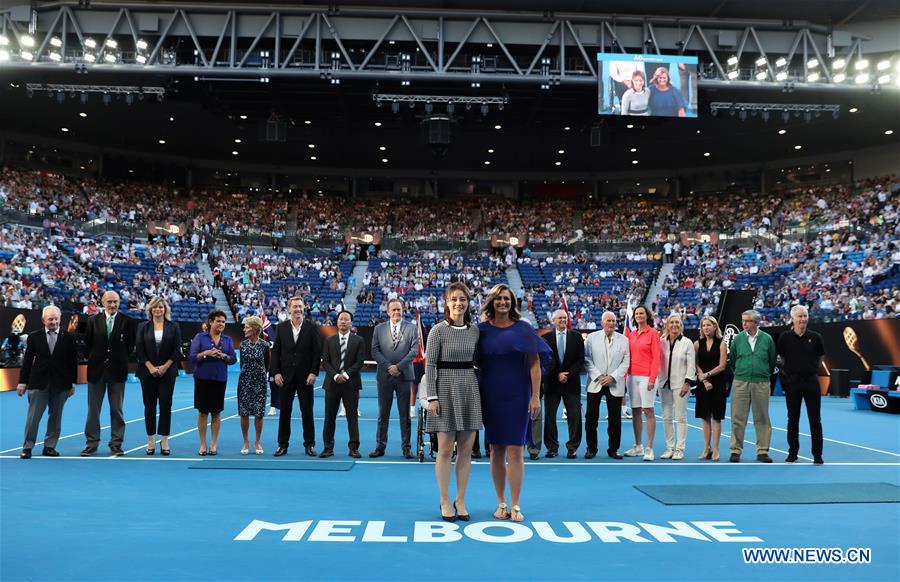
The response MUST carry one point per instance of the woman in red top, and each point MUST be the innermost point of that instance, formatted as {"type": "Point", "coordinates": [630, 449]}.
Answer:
{"type": "Point", "coordinates": [643, 342]}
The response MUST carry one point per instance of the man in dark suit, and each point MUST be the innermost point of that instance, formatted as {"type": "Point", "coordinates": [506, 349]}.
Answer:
{"type": "Point", "coordinates": [394, 345]}
{"type": "Point", "coordinates": [563, 381]}
{"type": "Point", "coordinates": [295, 361]}
{"type": "Point", "coordinates": [109, 342]}
{"type": "Point", "coordinates": [342, 359]}
{"type": "Point", "coordinates": [49, 370]}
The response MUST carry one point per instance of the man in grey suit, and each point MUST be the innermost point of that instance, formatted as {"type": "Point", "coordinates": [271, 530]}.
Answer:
{"type": "Point", "coordinates": [606, 360]}
{"type": "Point", "coordinates": [394, 345]}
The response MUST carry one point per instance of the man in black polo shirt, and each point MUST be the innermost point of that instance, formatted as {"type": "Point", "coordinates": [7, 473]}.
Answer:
{"type": "Point", "coordinates": [801, 352]}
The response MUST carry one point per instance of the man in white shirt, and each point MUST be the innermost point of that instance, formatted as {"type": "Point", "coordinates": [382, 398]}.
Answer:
{"type": "Point", "coordinates": [606, 359]}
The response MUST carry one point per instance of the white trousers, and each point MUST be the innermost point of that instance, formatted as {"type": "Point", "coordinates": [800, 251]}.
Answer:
{"type": "Point", "coordinates": [675, 406]}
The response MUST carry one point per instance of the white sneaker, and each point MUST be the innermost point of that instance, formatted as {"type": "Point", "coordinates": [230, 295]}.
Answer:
{"type": "Point", "coordinates": [412, 411]}
{"type": "Point", "coordinates": [565, 416]}
{"type": "Point", "coordinates": [606, 417]}
{"type": "Point", "coordinates": [678, 456]}
{"type": "Point", "coordinates": [271, 411]}
{"type": "Point", "coordinates": [648, 454]}
{"type": "Point", "coordinates": [668, 454]}
{"type": "Point", "coordinates": [626, 413]}
{"type": "Point", "coordinates": [342, 412]}
{"type": "Point", "coordinates": [635, 451]}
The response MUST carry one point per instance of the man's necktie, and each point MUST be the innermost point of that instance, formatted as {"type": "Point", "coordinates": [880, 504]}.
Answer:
{"type": "Point", "coordinates": [395, 334]}
{"type": "Point", "coordinates": [343, 351]}
{"type": "Point", "coordinates": [561, 345]}
{"type": "Point", "coordinates": [51, 341]}
{"type": "Point", "coordinates": [109, 325]}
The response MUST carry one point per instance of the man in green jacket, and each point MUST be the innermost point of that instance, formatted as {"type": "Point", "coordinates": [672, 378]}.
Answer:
{"type": "Point", "coordinates": [752, 358]}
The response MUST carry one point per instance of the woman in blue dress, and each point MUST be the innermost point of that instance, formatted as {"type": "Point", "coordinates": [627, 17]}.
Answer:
{"type": "Point", "coordinates": [511, 356]}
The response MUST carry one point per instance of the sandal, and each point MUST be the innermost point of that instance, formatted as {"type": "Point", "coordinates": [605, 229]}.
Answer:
{"type": "Point", "coordinates": [715, 455]}
{"type": "Point", "coordinates": [502, 508]}
{"type": "Point", "coordinates": [259, 450]}
{"type": "Point", "coordinates": [245, 450]}
{"type": "Point", "coordinates": [165, 452]}
{"type": "Point", "coordinates": [517, 509]}
{"type": "Point", "coordinates": [704, 455]}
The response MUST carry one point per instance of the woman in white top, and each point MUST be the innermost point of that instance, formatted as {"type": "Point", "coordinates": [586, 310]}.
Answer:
{"type": "Point", "coordinates": [677, 371]}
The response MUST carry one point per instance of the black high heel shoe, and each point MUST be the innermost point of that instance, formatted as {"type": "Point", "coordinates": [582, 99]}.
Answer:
{"type": "Point", "coordinates": [164, 452]}
{"type": "Point", "coordinates": [450, 518]}
{"type": "Point", "coordinates": [151, 451]}
{"type": "Point", "coordinates": [461, 516]}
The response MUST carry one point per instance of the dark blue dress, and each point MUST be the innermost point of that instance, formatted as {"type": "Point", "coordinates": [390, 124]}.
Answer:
{"type": "Point", "coordinates": [505, 379]}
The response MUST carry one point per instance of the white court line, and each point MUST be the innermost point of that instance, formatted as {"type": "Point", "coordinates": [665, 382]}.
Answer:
{"type": "Point", "coordinates": [68, 436]}
{"type": "Point", "coordinates": [830, 440]}
{"type": "Point", "coordinates": [172, 436]}
{"type": "Point", "coordinates": [531, 464]}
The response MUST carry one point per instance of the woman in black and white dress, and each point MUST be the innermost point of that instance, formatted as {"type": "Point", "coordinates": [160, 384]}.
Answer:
{"type": "Point", "coordinates": [252, 383]}
{"type": "Point", "coordinates": [454, 401]}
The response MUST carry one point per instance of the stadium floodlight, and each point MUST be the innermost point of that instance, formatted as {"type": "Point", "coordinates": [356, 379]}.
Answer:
{"type": "Point", "coordinates": [781, 76]}
{"type": "Point", "coordinates": [861, 65]}
{"type": "Point", "coordinates": [780, 62]}
{"type": "Point", "coordinates": [883, 65]}
{"type": "Point", "coordinates": [90, 57]}
{"type": "Point", "coordinates": [4, 55]}
{"type": "Point", "coordinates": [838, 63]}
{"type": "Point", "coordinates": [812, 63]}
{"type": "Point", "coordinates": [839, 77]}
{"type": "Point", "coordinates": [733, 74]}
{"type": "Point", "coordinates": [732, 61]}
{"type": "Point", "coordinates": [55, 57]}
{"type": "Point", "coordinates": [109, 58]}
{"type": "Point", "coordinates": [141, 59]}
{"type": "Point", "coordinates": [90, 43]}
{"type": "Point", "coordinates": [141, 44]}
{"type": "Point", "coordinates": [761, 62]}
{"type": "Point", "coordinates": [55, 41]}
{"type": "Point", "coordinates": [884, 79]}
{"type": "Point", "coordinates": [4, 40]}
{"type": "Point", "coordinates": [812, 77]}
{"type": "Point", "coordinates": [27, 55]}
{"type": "Point", "coordinates": [111, 43]}
{"type": "Point", "coordinates": [862, 78]}
{"type": "Point", "coordinates": [761, 75]}
{"type": "Point", "coordinates": [26, 41]}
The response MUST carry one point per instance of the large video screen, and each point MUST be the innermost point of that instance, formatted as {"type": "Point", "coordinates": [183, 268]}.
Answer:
{"type": "Point", "coordinates": [647, 85]}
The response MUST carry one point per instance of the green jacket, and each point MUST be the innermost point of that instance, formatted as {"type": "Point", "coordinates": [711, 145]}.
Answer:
{"type": "Point", "coordinates": [749, 365]}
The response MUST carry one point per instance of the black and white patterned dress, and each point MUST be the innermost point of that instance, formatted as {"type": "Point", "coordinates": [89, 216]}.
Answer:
{"type": "Point", "coordinates": [252, 384]}
{"type": "Point", "coordinates": [456, 389]}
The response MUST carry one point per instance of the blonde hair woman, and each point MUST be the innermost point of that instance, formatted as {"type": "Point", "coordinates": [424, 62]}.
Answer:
{"type": "Point", "coordinates": [712, 362]}
{"type": "Point", "coordinates": [251, 391]}
{"type": "Point", "coordinates": [158, 354]}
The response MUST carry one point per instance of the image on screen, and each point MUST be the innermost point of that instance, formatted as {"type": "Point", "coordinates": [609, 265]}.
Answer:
{"type": "Point", "coordinates": [647, 85]}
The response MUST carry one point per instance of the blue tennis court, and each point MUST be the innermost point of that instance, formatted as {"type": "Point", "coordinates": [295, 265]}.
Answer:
{"type": "Point", "coordinates": [140, 517]}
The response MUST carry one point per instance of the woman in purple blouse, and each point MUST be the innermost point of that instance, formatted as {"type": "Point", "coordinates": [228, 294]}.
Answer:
{"type": "Point", "coordinates": [211, 354]}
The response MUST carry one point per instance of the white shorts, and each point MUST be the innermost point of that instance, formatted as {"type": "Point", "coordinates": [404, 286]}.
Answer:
{"type": "Point", "coordinates": [638, 394]}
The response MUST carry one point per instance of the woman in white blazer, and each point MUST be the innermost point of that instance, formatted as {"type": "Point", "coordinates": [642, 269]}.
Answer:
{"type": "Point", "coordinates": [677, 371]}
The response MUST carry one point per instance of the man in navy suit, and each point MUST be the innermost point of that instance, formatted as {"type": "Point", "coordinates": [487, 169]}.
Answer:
{"type": "Point", "coordinates": [49, 371]}
{"type": "Point", "coordinates": [563, 382]}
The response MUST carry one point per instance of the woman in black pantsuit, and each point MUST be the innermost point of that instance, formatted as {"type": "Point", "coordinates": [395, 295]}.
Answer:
{"type": "Point", "coordinates": [158, 352]}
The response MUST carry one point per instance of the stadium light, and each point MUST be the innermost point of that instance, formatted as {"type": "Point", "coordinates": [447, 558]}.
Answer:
{"type": "Point", "coordinates": [761, 62]}
{"type": "Point", "coordinates": [812, 77]}
{"type": "Point", "coordinates": [4, 55]}
{"type": "Point", "coordinates": [812, 63]}
{"type": "Point", "coordinates": [781, 62]}
{"type": "Point", "coordinates": [732, 61]}
{"type": "Point", "coordinates": [883, 65]}
{"type": "Point", "coordinates": [55, 57]}
{"type": "Point", "coordinates": [838, 63]}
{"type": "Point", "coordinates": [839, 77]}
{"type": "Point", "coordinates": [55, 41]}
{"type": "Point", "coordinates": [109, 58]}
{"type": "Point", "coordinates": [861, 65]}
{"type": "Point", "coordinates": [761, 75]}
{"type": "Point", "coordinates": [862, 78]}
{"type": "Point", "coordinates": [4, 40]}
{"type": "Point", "coordinates": [884, 79]}
{"type": "Point", "coordinates": [142, 44]}
{"type": "Point", "coordinates": [141, 59]}
{"type": "Point", "coordinates": [781, 75]}
{"type": "Point", "coordinates": [90, 43]}
{"type": "Point", "coordinates": [733, 74]}
{"type": "Point", "coordinates": [27, 55]}
{"type": "Point", "coordinates": [111, 43]}
{"type": "Point", "coordinates": [90, 57]}
{"type": "Point", "coordinates": [26, 41]}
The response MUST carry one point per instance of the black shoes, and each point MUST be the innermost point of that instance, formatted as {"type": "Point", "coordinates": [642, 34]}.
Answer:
{"type": "Point", "coordinates": [116, 451]}
{"type": "Point", "coordinates": [49, 452]}
{"type": "Point", "coordinates": [450, 518]}
{"type": "Point", "coordinates": [280, 452]}
{"type": "Point", "coordinates": [589, 454]}
{"type": "Point", "coordinates": [734, 458]}
{"type": "Point", "coordinates": [764, 458]}
{"type": "Point", "coordinates": [407, 454]}
{"type": "Point", "coordinates": [355, 454]}
{"type": "Point", "coordinates": [461, 516]}
{"type": "Point", "coordinates": [791, 458]}
{"type": "Point", "coordinates": [615, 455]}
{"type": "Point", "coordinates": [165, 452]}
{"type": "Point", "coordinates": [310, 451]}
{"type": "Point", "coordinates": [476, 454]}
{"type": "Point", "coordinates": [571, 455]}
{"type": "Point", "coordinates": [152, 451]}
{"type": "Point", "coordinates": [551, 454]}
{"type": "Point", "coordinates": [534, 456]}
{"type": "Point", "coordinates": [326, 453]}
{"type": "Point", "coordinates": [88, 452]}
{"type": "Point", "coordinates": [376, 453]}
{"type": "Point", "coordinates": [26, 454]}
{"type": "Point", "coordinates": [818, 460]}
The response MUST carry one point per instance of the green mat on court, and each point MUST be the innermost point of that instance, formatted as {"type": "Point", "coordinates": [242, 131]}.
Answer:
{"type": "Point", "coordinates": [772, 494]}
{"type": "Point", "coordinates": [271, 465]}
